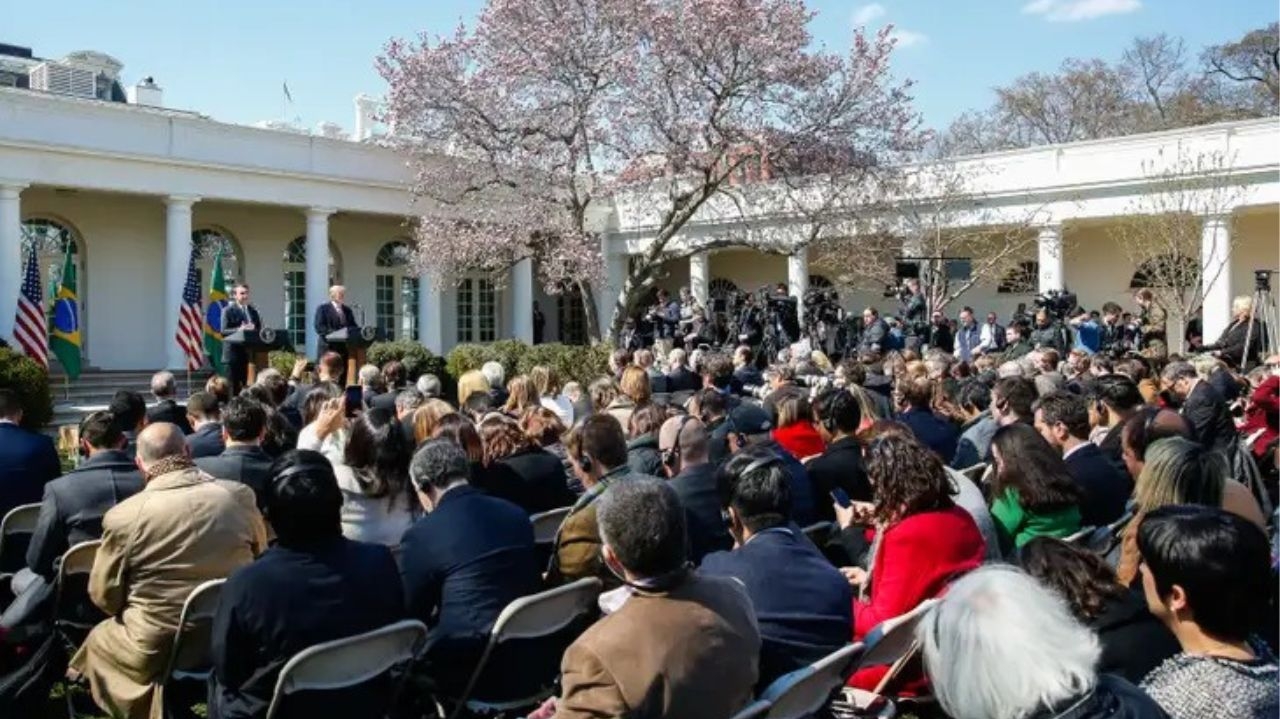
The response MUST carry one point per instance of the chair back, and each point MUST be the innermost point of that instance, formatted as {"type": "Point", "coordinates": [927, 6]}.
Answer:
{"type": "Point", "coordinates": [74, 613]}
{"type": "Point", "coordinates": [189, 658]}
{"type": "Point", "coordinates": [16, 529]}
{"type": "Point", "coordinates": [349, 661]}
{"type": "Point", "coordinates": [547, 524]}
{"type": "Point", "coordinates": [819, 532]}
{"type": "Point", "coordinates": [893, 642]}
{"type": "Point", "coordinates": [1080, 537]}
{"type": "Point", "coordinates": [975, 472]}
{"type": "Point", "coordinates": [805, 691]}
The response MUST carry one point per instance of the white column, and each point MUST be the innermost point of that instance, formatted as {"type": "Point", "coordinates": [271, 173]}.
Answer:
{"type": "Point", "coordinates": [10, 254]}
{"type": "Point", "coordinates": [700, 276]}
{"type": "Point", "coordinates": [615, 268]}
{"type": "Point", "coordinates": [177, 256]}
{"type": "Point", "coordinates": [317, 270]}
{"type": "Point", "coordinates": [1052, 260]}
{"type": "Point", "coordinates": [1215, 263]}
{"type": "Point", "coordinates": [430, 314]}
{"type": "Point", "coordinates": [522, 301]}
{"type": "Point", "coordinates": [798, 277]}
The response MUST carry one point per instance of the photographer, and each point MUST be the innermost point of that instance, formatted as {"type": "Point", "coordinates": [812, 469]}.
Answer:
{"type": "Point", "coordinates": [748, 327]}
{"type": "Point", "coordinates": [940, 335]}
{"type": "Point", "coordinates": [913, 305]}
{"type": "Point", "coordinates": [785, 316]}
{"type": "Point", "coordinates": [1048, 333]}
{"type": "Point", "coordinates": [1151, 323]}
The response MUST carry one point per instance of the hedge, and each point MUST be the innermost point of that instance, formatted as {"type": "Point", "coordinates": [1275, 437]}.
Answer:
{"type": "Point", "coordinates": [417, 360]}
{"type": "Point", "coordinates": [572, 363]}
{"type": "Point", "coordinates": [29, 381]}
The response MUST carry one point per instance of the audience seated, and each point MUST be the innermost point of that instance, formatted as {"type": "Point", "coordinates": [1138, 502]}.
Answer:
{"type": "Point", "coordinates": [1115, 399]}
{"type": "Point", "coordinates": [1002, 646]}
{"type": "Point", "coordinates": [1012, 399]}
{"type": "Point", "coordinates": [682, 645]}
{"type": "Point", "coordinates": [1205, 573]}
{"type": "Point", "coordinates": [205, 413]}
{"type": "Point", "coordinates": [1203, 407]}
{"type": "Point", "coordinates": [802, 604]}
{"type": "Point", "coordinates": [1032, 493]}
{"type": "Point", "coordinates": [548, 384]}
{"type": "Point", "coordinates": [473, 382]}
{"type": "Point", "coordinates": [717, 374]}
{"type": "Point", "coordinates": [427, 417]}
{"type": "Point", "coordinates": [324, 426]}
{"type": "Point", "coordinates": [837, 415]}
{"type": "Point", "coordinates": [683, 441]}
{"type": "Point", "coordinates": [131, 416]}
{"type": "Point", "coordinates": [795, 432]}
{"type": "Point", "coordinates": [166, 408]}
{"type": "Point", "coordinates": [974, 445]}
{"type": "Point", "coordinates": [933, 430]}
{"type": "Point", "coordinates": [312, 586]}
{"type": "Point", "coordinates": [73, 505]}
{"type": "Point", "coordinates": [1062, 419]}
{"type": "Point", "coordinates": [1133, 641]}
{"type": "Point", "coordinates": [679, 377]}
{"type": "Point", "coordinates": [28, 460]}
{"type": "Point", "coordinates": [713, 410]}
{"type": "Point", "coordinates": [467, 558]}
{"type": "Point", "coordinates": [534, 478]}
{"type": "Point", "coordinates": [497, 375]}
{"type": "Point", "coordinates": [407, 401]}
{"type": "Point", "coordinates": [328, 370]}
{"type": "Point", "coordinates": [544, 429]}
{"type": "Point", "coordinates": [244, 424]}
{"type": "Point", "coordinates": [748, 426]}
{"type": "Point", "coordinates": [373, 475]}
{"type": "Point", "coordinates": [598, 454]}
{"type": "Point", "coordinates": [181, 530]}
{"type": "Point", "coordinates": [521, 395]}
{"type": "Point", "coordinates": [925, 541]}
{"type": "Point", "coordinates": [643, 455]}
{"type": "Point", "coordinates": [393, 383]}
{"type": "Point", "coordinates": [634, 389]}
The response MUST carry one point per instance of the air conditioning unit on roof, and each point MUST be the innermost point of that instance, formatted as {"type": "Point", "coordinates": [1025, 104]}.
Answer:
{"type": "Point", "coordinates": [64, 79]}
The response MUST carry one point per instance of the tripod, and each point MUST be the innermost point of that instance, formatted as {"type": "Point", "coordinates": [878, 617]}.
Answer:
{"type": "Point", "coordinates": [1264, 308]}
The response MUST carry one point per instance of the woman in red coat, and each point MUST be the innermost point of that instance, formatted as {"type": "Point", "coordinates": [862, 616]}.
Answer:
{"type": "Point", "coordinates": [1262, 414]}
{"type": "Point", "coordinates": [925, 541]}
{"type": "Point", "coordinates": [795, 431]}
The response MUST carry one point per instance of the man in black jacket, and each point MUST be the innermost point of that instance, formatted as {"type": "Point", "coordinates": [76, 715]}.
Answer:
{"type": "Point", "coordinates": [683, 442]}
{"type": "Point", "coordinates": [166, 408]}
{"type": "Point", "coordinates": [1062, 419]}
{"type": "Point", "coordinates": [837, 416]}
{"type": "Point", "coordinates": [73, 505]}
{"type": "Point", "coordinates": [875, 333]}
{"type": "Point", "coordinates": [206, 438]}
{"type": "Point", "coordinates": [244, 423]}
{"type": "Point", "coordinates": [238, 315]}
{"type": "Point", "coordinates": [679, 377]}
{"type": "Point", "coordinates": [332, 316]}
{"type": "Point", "coordinates": [1203, 407]}
{"type": "Point", "coordinates": [1243, 328]}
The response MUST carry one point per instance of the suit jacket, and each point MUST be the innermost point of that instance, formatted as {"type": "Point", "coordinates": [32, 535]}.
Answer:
{"type": "Point", "coordinates": [167, 410]}
{"type": "Point", "coordinates": [803, 604]}
{"type": "Point", "coordinates": [838, 467]}
{"type": "Point", "coordinates": [206, 441]}
{"type": "Point", "coordinates": [681, 379]}
{"type": "Point", "coordinates": [288, 600]}
{"type": "Point", "coordinates": [181, 530]}
{"type": "Point", "coordinates": [933, 431]}
{"type": "Point", "coordinates": [1106, 488]}
{"type": "Point", "coordinates": [73, 505]}
{"type": "Point", "coordinates": [687, 653]}
{"type": "Point", "coordinates": [804, 503]}
{"type": "Point", "coordinates": [27, 462]}
{"type": "Point", "coordinates": [875, 337]}
{"type": "Point", "coordinates": [247, 464]}
{"type": "Point", "coordinates": [541, 480]}
{"type": "Point", "coordinates": [1231, 344]}
{"type": "Point", "coordinates": [577, 546]}
{"type": "Point", "coordinates": [748, 376]}
{"type": "Point", "coordinates": [233, 317]}
{"type": "Point", "coordinates": [462, 564]}
{"type": "Point", "coordinates": [329, 320]}
{"type": "Point", "coordinates": [696, 487]}
{"type": "Point", "coordinates": [1210, 420]}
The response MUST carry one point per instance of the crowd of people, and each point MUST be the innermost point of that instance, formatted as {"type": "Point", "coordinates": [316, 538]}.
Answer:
{"type": "Point", "coordinates": [1099, 531]}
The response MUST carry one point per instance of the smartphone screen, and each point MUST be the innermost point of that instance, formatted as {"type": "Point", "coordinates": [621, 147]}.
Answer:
{"type": "Point", "coordinates": [841, 497]}
{"type": "Point", "coordinates": [353, 400]}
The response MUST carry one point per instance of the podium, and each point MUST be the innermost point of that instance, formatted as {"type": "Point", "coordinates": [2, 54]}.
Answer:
{"type": "Point", "coordinates": [354, 343]}
{"type": "Point", "coordinates": [258, 344]}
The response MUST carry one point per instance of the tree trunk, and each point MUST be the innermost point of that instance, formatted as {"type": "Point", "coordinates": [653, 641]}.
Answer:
{"type": "Point", "coordinates": [589, 310]}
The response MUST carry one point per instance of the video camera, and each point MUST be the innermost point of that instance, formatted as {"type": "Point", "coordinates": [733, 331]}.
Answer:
{"type": "Point", "coordinates": [1059, 304]}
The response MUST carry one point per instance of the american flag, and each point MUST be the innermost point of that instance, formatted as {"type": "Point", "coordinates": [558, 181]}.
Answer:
{"type": "Point", "coordinates": [29, 327]}
{"type": "Point", "coordinates": [190, 326]}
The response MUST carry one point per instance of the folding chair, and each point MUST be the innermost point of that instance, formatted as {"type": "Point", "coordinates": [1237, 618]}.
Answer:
{"type": "Point", "coordinates": [892, 643]}
{"type": "Point", "coordinates": [805, 691]}
{"type": "Point", "coordinates": [975, 472]}
{"type": "Point", "coordinates": [1080, 537]}
{"type": "Point", "coordinates": [819, 532]}
{"type": "Point", "coordinates": [349, 661]}
{"type": "Point", "coordinates": [16, 529]}
{"type": "Point", "coordinates": [537, 616]}
{"type": "Point", "coordinates": [189, 658]}
{"type": "Point", "coordinates": [74, 614]}
{"type": "Point", "coordinates": [547, 524]}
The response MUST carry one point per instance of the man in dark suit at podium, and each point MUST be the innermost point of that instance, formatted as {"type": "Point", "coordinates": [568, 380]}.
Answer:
{"type": "Point", "coordinates": [238, 315]}
{"type": "Point", "coordinates": [333, 316]}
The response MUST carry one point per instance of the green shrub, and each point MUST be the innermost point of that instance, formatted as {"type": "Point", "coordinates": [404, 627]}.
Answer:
{"type": "Point", "coordinates": [29, 381]}
{"type": "Point", "coordinates": [465, 357]}
{"type": "Point", "coordinates": [417, 360]}
{"type": "Point", "coordinates": [572, 363]}
{"type": "Point", "coordinates": [282, 362]}
{"type": "Point", "coordinates": [506, 353]}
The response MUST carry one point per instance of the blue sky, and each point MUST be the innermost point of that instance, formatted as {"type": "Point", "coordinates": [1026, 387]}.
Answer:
{"type": "Point", "coordinates": [229, 59]}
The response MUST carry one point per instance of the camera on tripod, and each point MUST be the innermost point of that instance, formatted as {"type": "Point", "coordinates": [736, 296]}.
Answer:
{"type": "Point", "coordinates": [821, 305]}
{"type": "Point", "coordinates": [1059, 304]}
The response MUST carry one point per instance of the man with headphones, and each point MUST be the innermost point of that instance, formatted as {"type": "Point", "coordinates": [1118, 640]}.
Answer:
{"type": "Point", "coordinates": [683, 443]}
{"type": "Point", "coordinates": [837, 416]}
{"type": "Point", "coordinates": [747, 426]}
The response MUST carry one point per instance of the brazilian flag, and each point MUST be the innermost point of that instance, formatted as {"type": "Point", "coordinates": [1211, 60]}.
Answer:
{"type": "Point", "coordinates": [213, 316]}
{"type": "Point", "coordinates": [64, 337]}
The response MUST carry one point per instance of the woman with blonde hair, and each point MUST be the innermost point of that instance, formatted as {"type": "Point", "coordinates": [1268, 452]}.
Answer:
{"type": "Point", "coordinates": [548, 384]}
{"type": "Point", "coordinates": [470, 383]}
{"type": "Point", "coordinates": [426, 417]}
{"type": "Point", "coordinates": [633, 393]}
{"type": "Point", "coordinates": [521, 395]}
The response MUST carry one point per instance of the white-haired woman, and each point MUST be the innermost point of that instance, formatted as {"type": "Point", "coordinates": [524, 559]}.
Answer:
{"type": "Point", "coordinates": [1244, 328]}
{"type": "Point", "coordinates": [1000, 645]}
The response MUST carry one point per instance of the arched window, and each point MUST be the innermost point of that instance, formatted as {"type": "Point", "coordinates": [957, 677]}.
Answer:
{"type": "Point", "coordinates": [1021, 280]}
{"type": "Point", "coordinates": [1166, 272]}
{"type": "Point", "coordinates": [208, 243]}
{"type": "Point", "coordinates": [295, 286]}
{"type": "Point", "coordinates": [51, 241]}
{"type": "Point", "coordinates": [477, 309]}
{"type": "Point", "coordinates": [722, 294]}
{"type": "Point", "coordinates": [396, 300]}
{"type": "Point", "coordinates": [571, 316]}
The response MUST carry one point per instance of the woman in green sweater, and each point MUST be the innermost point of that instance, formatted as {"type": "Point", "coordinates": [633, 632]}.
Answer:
{"type": "Point", "coordinates": [1032, 494]}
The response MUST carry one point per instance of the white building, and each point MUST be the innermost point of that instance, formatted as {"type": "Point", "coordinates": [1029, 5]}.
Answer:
{"type": "Point", "coordinates": [130, 186]}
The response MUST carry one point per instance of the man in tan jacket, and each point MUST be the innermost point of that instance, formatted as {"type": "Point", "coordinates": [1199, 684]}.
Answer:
{"type": "Point", "coordinates": [182, 529]}
{"type": "Point", "coordinates": [681, 646]}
